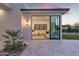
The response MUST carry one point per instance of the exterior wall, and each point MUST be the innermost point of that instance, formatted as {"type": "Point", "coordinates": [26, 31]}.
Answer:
{"type": "Point", "coordinates": [9, 19]}
{"type": "Point", "coordinates": [26, 29]}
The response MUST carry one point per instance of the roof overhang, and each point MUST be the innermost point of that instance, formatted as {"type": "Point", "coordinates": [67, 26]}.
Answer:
{"type": "Point", "coordinates": [59, 11]}
{"type": "Point", "coordinates": [3, 6]}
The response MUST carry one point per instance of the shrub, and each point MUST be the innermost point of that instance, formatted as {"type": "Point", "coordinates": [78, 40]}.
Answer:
{"type": "Point", "coordinates": [13, 44]}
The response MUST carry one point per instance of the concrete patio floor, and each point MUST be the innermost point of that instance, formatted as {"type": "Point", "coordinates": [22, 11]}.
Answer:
{"type": "Point", "coordinates": [52, 48]}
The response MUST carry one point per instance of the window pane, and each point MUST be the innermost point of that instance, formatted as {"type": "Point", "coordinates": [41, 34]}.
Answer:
{"type": "Point", "coordinates": [40, 27]}
{"type": "Point", "coordinates": [55, 28]}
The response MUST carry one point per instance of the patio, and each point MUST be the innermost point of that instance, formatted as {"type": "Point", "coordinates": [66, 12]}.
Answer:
{"type": "Point", "coordinates": [52, 48]}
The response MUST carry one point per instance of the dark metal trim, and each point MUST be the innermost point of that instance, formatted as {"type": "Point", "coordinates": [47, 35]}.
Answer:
{"type": "Point", "coordinates": [55, 9]}
{"type": "Point", "coordinates": [50, 27]}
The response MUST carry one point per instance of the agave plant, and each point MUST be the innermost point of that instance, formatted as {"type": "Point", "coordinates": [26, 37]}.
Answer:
{"type": "Point", "coordinates": [13, 43]}
{"type": "Point", "coordinates": [13, 35]}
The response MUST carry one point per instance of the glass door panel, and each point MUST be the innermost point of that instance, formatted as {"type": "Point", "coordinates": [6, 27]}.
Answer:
{"type": "Point", "coordinates": [40, 27]}
{"type": "Point", "coordinates": [55, 27]}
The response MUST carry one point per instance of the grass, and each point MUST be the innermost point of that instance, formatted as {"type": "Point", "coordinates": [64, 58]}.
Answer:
{"type": "Point", "coordinates": [70, 37]}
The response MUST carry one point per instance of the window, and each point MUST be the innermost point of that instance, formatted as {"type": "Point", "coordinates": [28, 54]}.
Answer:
{"type": "Point", "coordinates": [55, 27]}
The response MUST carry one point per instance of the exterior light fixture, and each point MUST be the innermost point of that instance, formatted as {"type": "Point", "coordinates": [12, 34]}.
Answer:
{"type": "Point", "coordinates": [26, 22]}
{"type": "Point", "coordinates": [2, 12]}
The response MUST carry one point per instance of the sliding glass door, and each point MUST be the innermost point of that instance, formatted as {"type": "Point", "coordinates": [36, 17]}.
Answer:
{"type": "Point", "coordinates": [55, 27]}
{"type": "Point", "coordinates": [45, 27]}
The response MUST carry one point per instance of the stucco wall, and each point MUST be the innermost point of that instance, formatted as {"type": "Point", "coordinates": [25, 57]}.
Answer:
{"type": "Point", "coordinates": [26, 29]}
{"type": "Point", "coordinates": [9, 19]}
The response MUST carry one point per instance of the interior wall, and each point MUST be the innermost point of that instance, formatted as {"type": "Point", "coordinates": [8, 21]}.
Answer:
{"type": "Point", "coordinates": [36, 20]}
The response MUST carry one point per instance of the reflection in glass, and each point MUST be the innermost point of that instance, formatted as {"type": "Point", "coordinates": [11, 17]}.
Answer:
{"type": "Point", "coordinates": [55, 28]}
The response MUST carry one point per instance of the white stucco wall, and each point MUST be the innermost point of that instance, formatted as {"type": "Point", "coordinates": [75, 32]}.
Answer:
{"type": "Point", "coordinates": [26, 29]}
{"type": "Point", "coordinates": [9, 19]}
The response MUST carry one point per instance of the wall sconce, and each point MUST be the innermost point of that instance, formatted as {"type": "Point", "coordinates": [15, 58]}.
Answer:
{"type": "Point", "coordinates": [2, 12]}
{"type": "Point", "coordinates": [27, 23]}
